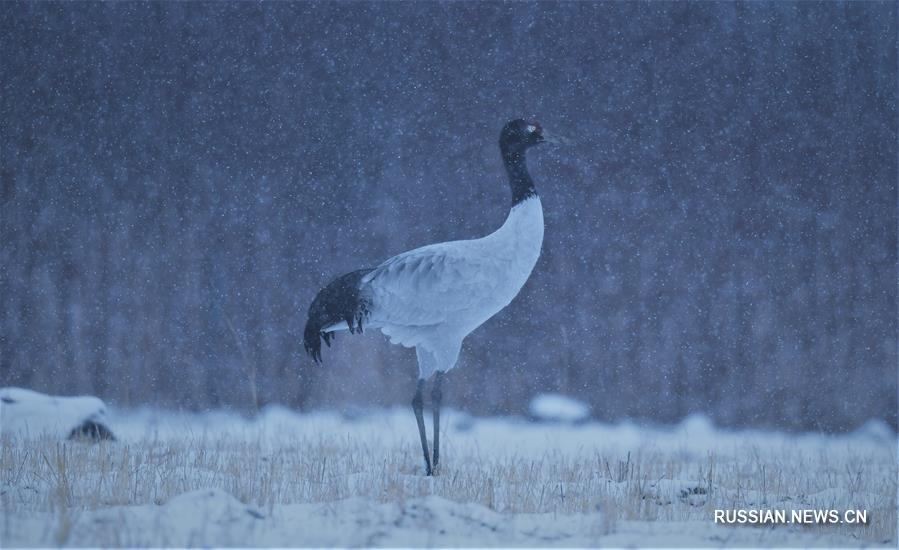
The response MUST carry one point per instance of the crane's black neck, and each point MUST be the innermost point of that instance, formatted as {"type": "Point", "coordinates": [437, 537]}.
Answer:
{"type": "Point", "coordinates": [519, 179]}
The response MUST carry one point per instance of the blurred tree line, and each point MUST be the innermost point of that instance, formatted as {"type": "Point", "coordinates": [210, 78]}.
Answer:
{"type": "Point", "coordinates": [178, 180]}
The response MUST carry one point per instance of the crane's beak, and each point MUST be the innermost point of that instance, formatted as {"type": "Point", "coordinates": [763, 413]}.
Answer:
{"type": "Point", "coordinates": [555, 139]}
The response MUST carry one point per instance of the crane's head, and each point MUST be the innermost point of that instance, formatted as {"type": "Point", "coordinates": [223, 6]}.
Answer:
{"type": "Point", "coordinates": [518, 135]}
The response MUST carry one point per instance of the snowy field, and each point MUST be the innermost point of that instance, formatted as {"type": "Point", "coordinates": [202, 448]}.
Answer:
{"type": "Point", "coordinates": [354, 479]}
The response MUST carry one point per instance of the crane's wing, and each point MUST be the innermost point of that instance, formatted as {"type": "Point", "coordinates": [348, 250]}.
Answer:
{"type": "Point", "coordinates": [428, 285]}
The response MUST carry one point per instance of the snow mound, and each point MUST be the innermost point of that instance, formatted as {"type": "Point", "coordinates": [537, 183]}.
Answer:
{"type": "Point", "coordinates": [555, 407]}
{"type": "Point", "coordinates": [212, 517]}
{"type": "Point", "coordinates": [877, 430]}
{"type": "Point", "coordinates": [214, 504]}
{"type": "Point", "coordinates": [32, 414]}
{"type": "Point", "coordinates": [191, 516]}
{"type": "Point", "coordinates": [207, 517]}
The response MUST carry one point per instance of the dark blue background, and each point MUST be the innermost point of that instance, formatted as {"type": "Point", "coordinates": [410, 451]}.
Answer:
{"type": "Point", "coordinates": [178, 180]}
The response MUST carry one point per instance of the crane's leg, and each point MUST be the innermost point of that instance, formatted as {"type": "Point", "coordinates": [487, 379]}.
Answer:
{"type": "Point", "coordinates": [436, 398]}
{"type": "Point", "coordinates": [417, 407]}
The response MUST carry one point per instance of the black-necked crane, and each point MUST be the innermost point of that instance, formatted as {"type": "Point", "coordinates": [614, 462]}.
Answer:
{"type": "Point", "coordinates": [432, 297]}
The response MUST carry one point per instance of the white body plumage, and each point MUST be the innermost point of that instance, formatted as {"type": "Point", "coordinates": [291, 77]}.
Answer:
{"type": "Point", "coordinates": [432, 297]}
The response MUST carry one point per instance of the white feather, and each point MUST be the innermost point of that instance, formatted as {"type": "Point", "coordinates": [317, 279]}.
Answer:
{"type": "Point", "coordinates": [336, 326]}
{"type": "Point", "coordinates": [432, 297]}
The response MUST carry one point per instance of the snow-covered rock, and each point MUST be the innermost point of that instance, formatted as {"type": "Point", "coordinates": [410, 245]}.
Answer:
{"type": "Point", "coordinates": [558, 408]}
{"type": "Point", "coordinates": [876, 429]}
{"type": "Point", "coordinates": [33, 414]}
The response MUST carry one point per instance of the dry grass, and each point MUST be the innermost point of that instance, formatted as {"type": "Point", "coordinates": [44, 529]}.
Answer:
{"type": "Point", "coordinates": [644, 483]}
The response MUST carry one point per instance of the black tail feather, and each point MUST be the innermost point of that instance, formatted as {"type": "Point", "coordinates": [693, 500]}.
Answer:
{"type": "Point", "coordinates": [339, 301]}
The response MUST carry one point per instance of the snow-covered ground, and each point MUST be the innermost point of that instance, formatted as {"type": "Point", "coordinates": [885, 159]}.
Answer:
{"type": "Point", "coordinates": [325, 479]}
